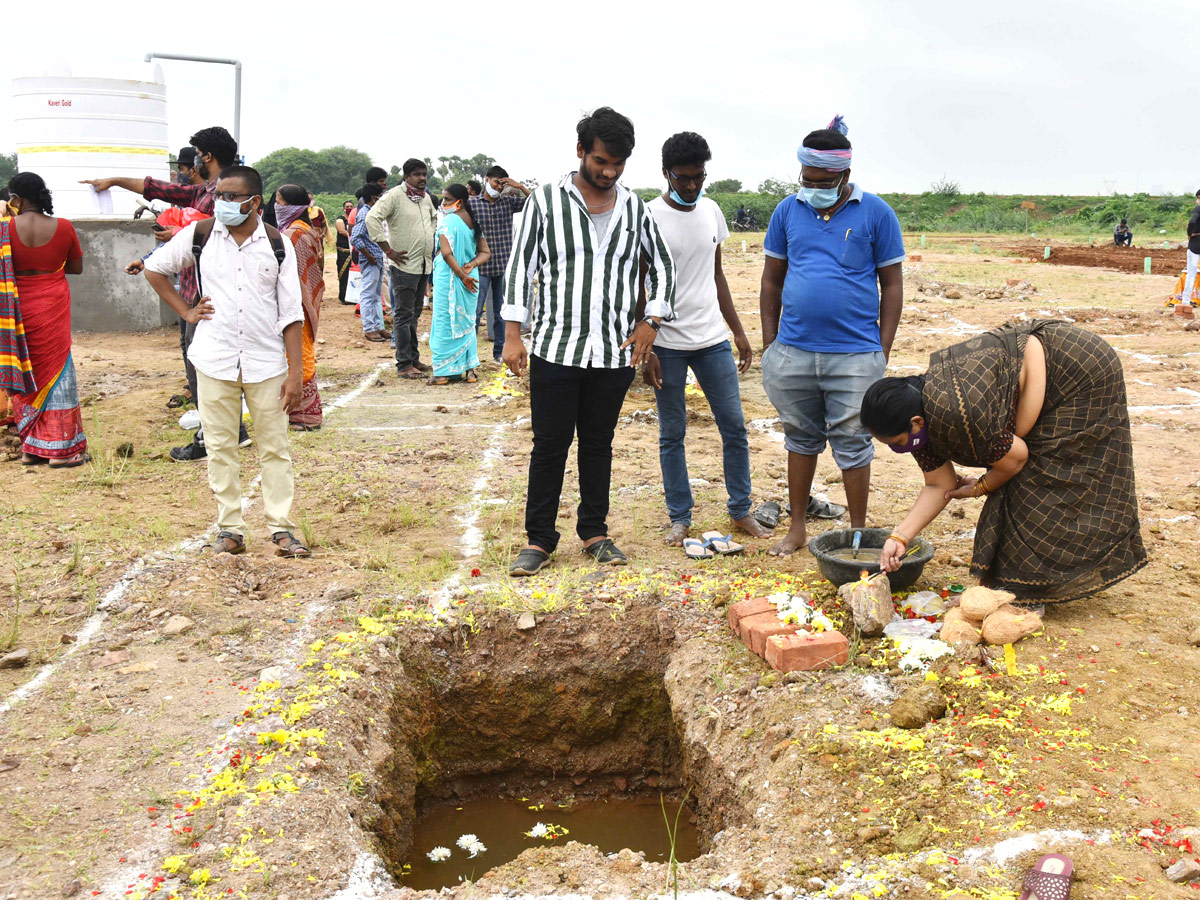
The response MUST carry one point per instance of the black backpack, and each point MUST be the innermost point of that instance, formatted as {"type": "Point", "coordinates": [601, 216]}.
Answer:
{"type": "Point", "coordinates": [203, 232]}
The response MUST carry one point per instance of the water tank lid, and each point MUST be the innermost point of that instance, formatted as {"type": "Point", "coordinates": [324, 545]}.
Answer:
{"type": "Point", "coordinates": [150, 72]}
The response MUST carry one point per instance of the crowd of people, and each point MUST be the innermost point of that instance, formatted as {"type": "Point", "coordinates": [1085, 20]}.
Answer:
{"type": "Point", "coordinates": [602, 283]}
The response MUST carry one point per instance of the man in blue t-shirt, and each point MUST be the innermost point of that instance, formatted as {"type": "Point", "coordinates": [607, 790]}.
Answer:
{"type": "Point", "coordinates": [830, 302]}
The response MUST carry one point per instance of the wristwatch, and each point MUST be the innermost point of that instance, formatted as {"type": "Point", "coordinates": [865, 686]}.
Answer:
{"type": "Point", "coordinates": [653, 324]}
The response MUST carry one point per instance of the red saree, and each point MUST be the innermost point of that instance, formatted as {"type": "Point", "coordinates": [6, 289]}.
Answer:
{"type": "Point", "coordinates": [48, 421]}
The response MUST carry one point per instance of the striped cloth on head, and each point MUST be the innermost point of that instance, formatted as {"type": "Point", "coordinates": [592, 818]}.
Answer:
{"type": "Point", "coordinates": [833, 160]}
{"type": "Point", "coordinates": [16, 369]}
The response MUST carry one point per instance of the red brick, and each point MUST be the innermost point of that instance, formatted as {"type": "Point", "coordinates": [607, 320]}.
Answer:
{"type": "Point", "coordinates": [744, 608]}
{"type": "Point", "coordinates": [803, 652]}
{"type": "Point", "coordinates": [756, 630]}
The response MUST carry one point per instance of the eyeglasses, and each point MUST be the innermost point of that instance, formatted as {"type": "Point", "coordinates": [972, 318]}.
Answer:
{"type": "Point", "coordinates": [234, 196]}
{"type": "Point", "coordinates": [688, 179]}
{"type": "Point", "coordinates": [819, 185]}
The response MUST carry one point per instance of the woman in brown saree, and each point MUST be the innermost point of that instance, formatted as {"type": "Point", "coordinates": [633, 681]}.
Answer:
{"type": "Point", "coordinates": [1040, 405]}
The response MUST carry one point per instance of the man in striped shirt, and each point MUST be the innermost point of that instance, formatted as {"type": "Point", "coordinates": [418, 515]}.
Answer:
{"type": "Point", "coordinates": [584, 240]}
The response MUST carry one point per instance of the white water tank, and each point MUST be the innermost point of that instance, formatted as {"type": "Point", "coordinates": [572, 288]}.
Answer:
{"type": "Point", "coordinates": [89, 121]}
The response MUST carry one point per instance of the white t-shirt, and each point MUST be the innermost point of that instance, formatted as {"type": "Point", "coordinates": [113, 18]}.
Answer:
{"type": "Point", "coordinates": [693, 237]}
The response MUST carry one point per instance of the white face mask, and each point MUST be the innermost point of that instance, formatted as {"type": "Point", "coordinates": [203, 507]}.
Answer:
{"type": "Point", "coordinates": [491, 191]}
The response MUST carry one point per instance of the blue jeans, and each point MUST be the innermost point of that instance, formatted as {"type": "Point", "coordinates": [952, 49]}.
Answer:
{"type": "Point", "coordinates": [818, 396]}
{"type": "Point", "coordinates": [370, 299]}
{"type": "Point", "coordinates": [491, 288]}
{"type": "Point", "coordinates": [717, 375]}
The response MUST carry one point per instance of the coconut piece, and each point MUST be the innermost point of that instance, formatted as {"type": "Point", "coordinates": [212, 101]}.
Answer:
{"type": "Point", "coordinates": [957, 630]}
{"type": "Point", "coordinates": [978, 602]}
{"type": "Point", "coordinates": [1009, 624]}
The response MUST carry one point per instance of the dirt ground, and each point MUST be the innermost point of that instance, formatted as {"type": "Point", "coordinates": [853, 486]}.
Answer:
{"type": "Point", "coordinates": [1165, 260]}
{"type": "Point", "coordinates": [256, 727]}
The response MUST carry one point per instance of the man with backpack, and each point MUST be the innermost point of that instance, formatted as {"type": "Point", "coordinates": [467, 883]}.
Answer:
{"type": "Point", "coordinates": [248, 344]}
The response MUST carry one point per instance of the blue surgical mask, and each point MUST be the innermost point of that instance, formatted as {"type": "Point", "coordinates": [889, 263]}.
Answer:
{"type": "Point", "coordinates": [821, 198]}
{"type": "Point", "coordinates": [675, 196]}
{"type": "Point", "coordinates": [229, 213]}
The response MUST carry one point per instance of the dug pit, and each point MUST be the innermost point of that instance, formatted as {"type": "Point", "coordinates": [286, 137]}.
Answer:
{"type": "Point", "coordinates": [565, 725]}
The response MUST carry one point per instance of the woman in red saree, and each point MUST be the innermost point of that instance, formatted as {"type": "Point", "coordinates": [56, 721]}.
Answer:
{"type": "Point", "coordinates": [308, 238]}
{"type": "Point", "coordinates": [44, 250]}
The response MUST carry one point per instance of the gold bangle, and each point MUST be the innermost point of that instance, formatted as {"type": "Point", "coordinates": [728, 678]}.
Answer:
{"type": "Point", "coordinates": [981, 487]}
{"type": "Point", "coordinates": [897, 536]}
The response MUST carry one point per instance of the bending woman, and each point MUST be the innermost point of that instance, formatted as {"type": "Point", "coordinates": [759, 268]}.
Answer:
{"type": "Point", "coordinates": [293, 217]}
{"type": "Point", "coordinates": [462, 246]}
{"type": "Point", "coordinates": [44, 251]}
{"type": "Point", "coordinates": [1041, 406]}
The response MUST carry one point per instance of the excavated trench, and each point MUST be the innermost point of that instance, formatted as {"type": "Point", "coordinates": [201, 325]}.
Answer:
{"type": "Point", "coordinates": [569, 723]}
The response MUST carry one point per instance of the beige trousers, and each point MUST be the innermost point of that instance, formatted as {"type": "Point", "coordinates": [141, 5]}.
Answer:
{"type": "Point", "coordinates": [221, 415]}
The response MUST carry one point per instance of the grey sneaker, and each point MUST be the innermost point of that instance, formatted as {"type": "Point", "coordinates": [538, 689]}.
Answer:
{"type": "Point", "coordinates": [529, 562]}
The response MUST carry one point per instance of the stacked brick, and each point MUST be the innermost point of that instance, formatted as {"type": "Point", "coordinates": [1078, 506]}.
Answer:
{"type": "Point", "coordinates": [786, 648]}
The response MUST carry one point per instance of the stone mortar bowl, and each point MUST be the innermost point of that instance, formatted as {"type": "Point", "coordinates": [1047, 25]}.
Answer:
{"type": "Point", "coordinates": [840, 571]}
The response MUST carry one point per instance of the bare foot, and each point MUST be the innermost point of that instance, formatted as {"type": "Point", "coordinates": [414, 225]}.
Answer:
{"type": "Point", "coordinates": [792, 541]}
{"type": "Point", "coordinates": [676, 535]}
{"type": "Point", "coordinates": [752, 527]}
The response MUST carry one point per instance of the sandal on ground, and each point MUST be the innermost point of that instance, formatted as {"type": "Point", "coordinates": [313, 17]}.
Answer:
{"type": "Point", "coordinates": [823, 509]}
{"type": "Point", "coordinates": [377, 337]}
{"type": "Point", "coordinates": [28, 459]}
{"type": "Point", "coordinates": [72, 462]}
{"type": "Point", "coordinates": [696, 549]}
{"type": "Point", "coordinates": [471, 377]}
{"type": "Point", "coordinates": [605, 552]}
{"type": "Point", "coordinates": [422, 367]}
{"type": "Point", "coordinates": [178, 400]}
{"type": "Point", "coordinates": [227, 542]}
{"type": "Point", "coordinates": [412, 373]}
{"type": "Point", "coordinates": [438, 379]}
{"type": "Point", "coordinates": [767, 514]}
{"type": "Point", "coordinates": [722, 543]}
{"type": "Point", "coordinates": [287, 546]}
{"type": "Point", "coordinates": [296, 426]}
{"type": "Point", "coordinates": [529, 561]}
{"type": "Point", "coordinates": [1049, 879]}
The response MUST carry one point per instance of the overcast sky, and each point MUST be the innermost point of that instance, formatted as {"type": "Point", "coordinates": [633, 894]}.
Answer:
{"type": "Point", "coordinates": [1054, 96]}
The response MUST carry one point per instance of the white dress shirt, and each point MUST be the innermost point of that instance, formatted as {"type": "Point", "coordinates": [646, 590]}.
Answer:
{"type": "Point", "coordinates": [253, 298]}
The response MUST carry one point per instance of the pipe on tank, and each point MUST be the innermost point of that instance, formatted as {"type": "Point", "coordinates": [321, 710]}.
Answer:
{"type": "Point", "coordinates": [237, 84]}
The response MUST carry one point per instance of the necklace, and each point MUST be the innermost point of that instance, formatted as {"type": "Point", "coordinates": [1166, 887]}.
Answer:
{"type": "Point", "coordinates": [603, 206]}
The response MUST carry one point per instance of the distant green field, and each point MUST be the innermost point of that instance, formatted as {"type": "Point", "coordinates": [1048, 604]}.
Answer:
{"type": "Point", "coordinates": [999, 214]}
{"type": "Point", "coordinates": [1060, 216]}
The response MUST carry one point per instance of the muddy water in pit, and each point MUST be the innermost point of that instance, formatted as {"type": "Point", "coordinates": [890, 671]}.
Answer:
{"type": "Point", "coordinates": [500, 825]}
{"type": "Point", "coordinates": [865, 554]}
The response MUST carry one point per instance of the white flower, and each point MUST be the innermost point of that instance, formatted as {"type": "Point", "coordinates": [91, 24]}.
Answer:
{"type": "Point", "coordinates": [465, 841]}
{"type": "Point", "coordinates": [538, 830]}
{"type": "Point", "coordinates": [437, 854]}
{"type": "Point", "coordinates": [477, 848]}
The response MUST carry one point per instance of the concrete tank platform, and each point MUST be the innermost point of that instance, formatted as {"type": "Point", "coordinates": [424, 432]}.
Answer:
{"type": "Point", "coordinates": [103, 297]}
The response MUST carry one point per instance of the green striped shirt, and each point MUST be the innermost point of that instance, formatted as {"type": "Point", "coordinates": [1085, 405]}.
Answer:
{"type": "Point", "coordinates": [587, 287]}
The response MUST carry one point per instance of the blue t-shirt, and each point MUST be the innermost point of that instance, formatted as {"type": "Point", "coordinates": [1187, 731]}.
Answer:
{"type": "Point", "coordinates": [831, 291]}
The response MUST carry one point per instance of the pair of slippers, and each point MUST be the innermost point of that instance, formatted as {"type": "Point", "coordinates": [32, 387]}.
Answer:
{"type": "Point", "coordinates": [768, 514]}
{"type": "Point", "coordinates": [714, 544]}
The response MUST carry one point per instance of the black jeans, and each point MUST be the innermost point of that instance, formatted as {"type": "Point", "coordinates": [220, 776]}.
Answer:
{"type": "Point", "coordinates": [565, 401]}
{"type": "Point", "coordinates": [343, 267]}
{"type": "Point", "coordinates": [408, 299]}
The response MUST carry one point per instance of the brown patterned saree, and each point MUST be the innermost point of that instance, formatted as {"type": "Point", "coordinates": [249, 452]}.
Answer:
{"type": "Point", "coordinates": [1066, 525]}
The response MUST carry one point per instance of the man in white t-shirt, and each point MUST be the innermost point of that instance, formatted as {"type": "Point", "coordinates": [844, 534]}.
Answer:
{"type": "Point", "coordinates": [698, 338]}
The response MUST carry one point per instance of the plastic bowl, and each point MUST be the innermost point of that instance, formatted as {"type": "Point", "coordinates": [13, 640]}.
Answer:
{"type": "Point", "coordinates": [840, 571]}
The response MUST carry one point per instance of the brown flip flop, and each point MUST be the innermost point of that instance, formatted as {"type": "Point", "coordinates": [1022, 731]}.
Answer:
{"type": "Point", "coordinates": [1049, 879]}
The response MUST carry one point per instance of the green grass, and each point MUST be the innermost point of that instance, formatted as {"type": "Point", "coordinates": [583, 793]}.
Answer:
{"type": "Point", "coordinates": [949, 211]}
